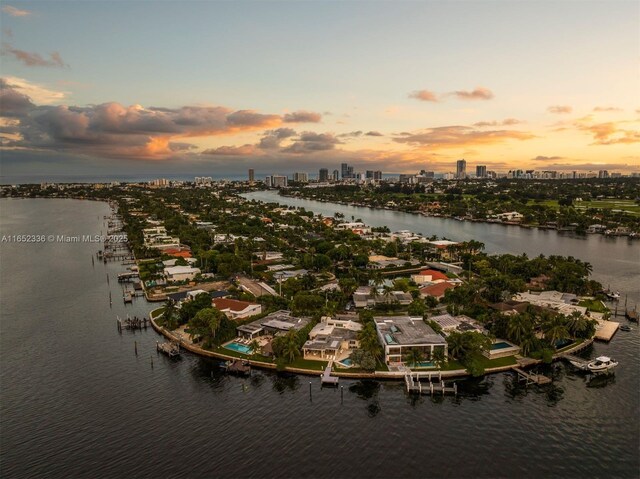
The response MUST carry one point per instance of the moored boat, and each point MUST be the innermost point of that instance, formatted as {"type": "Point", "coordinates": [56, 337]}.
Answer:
{"type": "Point", "coordinates": [601, 364]}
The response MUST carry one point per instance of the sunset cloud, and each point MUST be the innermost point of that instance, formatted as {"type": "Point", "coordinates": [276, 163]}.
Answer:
{"type": "Point", "coordinates": [32, 59]}
{"type": "Point", "coordinates": [547, 158]}
{"type": "Point", "coordinates": [15, 12]}
{"type": "Point", "coordinates": [610, 133]}
{"type": "Point", "coordinates": [373, 133]}
{"type": "Point", "coordinates": [424, 95]}
{"type": "Point", "coordinates": [115, 130]}
{"type": "Point", "coordinates": [479, 93]}
{"type": "Point", "coordinates": [607, 109]}
{"type": "Point", "coordinates": [459, 136]}
{"type": "Point", "coordinates": [310, 142]}
{"type": "Point", "coordinates": [560, 109]}
{"type": "Point", "coordinates": [302, 116]}
{"type": "Point", "coordinates": [244, 150]}
{"type": "Point", "coordinates": [505, 122]}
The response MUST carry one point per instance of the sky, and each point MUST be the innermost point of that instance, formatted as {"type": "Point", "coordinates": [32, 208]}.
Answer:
{"type": "Point", "coordinates": [213, 87]}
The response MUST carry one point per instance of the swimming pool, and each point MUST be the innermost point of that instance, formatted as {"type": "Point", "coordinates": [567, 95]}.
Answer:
{"type": "Point", "coordinates": [347, 362]}
{"type": "Point", "coordinates": [240, 348]}
{"type": "Point", "coordinates": [425, 364]}
{"type": "Point", "coordinates": [500, 345]}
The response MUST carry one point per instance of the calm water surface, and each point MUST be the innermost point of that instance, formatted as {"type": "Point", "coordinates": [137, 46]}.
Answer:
{"type": "Point", "coordinates": [77, 402]}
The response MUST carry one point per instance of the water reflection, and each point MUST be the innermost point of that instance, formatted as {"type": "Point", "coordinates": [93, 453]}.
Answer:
{"type": "Point", "coordinates": [600, 380]}
{"type": "Point", "coordinates": [283, 381]}
{"type": "Point", "coordinates": [368, 390]}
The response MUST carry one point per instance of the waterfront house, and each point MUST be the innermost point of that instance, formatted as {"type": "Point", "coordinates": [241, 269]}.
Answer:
{"type": "Point", "coordinates": [510, 216]}
{"type": "Point", "coordinates": [563, 303]}
{"type": "Point", "coordinates": [399, 334]}
{"type": "Point", "coordinates": [276, 323]}
{"type": "Point", "coordinates": [235, 309]}
{"type": "Point", "coordinates": [429, 276]}
{"type": "Point", "coordinates": [181, 273]}
{"type": "Point", "coordinates": [332, 339]}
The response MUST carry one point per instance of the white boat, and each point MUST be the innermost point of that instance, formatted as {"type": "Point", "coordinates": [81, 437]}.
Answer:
{"type": "Point", "coordinates": [601, 364]}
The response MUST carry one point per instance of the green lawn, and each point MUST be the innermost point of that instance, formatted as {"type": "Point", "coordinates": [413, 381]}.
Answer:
{"type": "Point", "coordinates": [499, 362]}
{"type": "Point", "coordinates": [594, 305]}
{"type": "Point", "coordinates": [309, 364]}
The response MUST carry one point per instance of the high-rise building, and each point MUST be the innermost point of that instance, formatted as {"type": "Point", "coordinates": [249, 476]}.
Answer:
{"type": "Point", "coordinates": [336, 175]}
{"type": "Point", "coordinates": [278, 181]}
{"type": "Point", "coordinates": [461, 168]}
{"type": "Point", "coordinates": [603, 174]}
{"type": "Point", "coordinates": [345, 170]}
{"type": "Point", "coordinates": [481, 171]}
{"type": "Point", "coordinates": [323, 175]}
{"type": "Point", "coordinates": [268, 181]}
{"type": "Point", "coordinates": [252, 175]}
{"type": "Point", "coordinates": [301, 177]}
{"type": "Point", "coordinates": [377, 175]}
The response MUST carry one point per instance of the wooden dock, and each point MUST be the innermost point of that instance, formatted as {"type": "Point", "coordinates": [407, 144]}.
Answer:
{"type": "Point", "coordinates": [239, 367]}
{"type": "Point", "coordinates": [606, 330]}
{"type": "Point", "coordinates": [431, 387]}
{"type": "Point", "coordinates": [132, 323]}
{"type": "Point", "coordinates": [327, 378]}
{"type": "Point", "coordinates": [531, 378]}
{"type": "Point", "coordinates": [171, 349]}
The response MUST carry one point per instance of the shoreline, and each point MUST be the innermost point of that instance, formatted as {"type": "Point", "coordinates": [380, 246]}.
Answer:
{"type": "Point", "coordinates": [470, 220]}
{"type": "Point", "coordinates": [388, 375]}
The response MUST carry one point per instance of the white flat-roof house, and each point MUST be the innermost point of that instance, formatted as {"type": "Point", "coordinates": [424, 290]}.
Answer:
{"type": "Point", "coordinates": [399, 334]}
{"type": "Point", "coordinates": [180, 273]}
{"type": "Point", "coordinates": [331, 338]}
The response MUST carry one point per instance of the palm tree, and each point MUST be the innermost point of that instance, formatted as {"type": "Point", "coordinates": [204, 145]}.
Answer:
{"type": "Point", "coordinates": [290, 348]}
{"type": "Point", "coordinates": [528, 343]}
{"type": "Point", "coordinates": [455, 341]}
{"type": "Point", "coordinates": [169, 313]}
{"type": "Point", "coordinates": [413, 357]}
{"type": "Point", "coordinates": [555, 329]}
{"type": "Point", "coordinates": [439, 358]}
{"type": "Point", "coordinates": [255, 347]}
{"type": "Point", "coordinates": [519, 327]}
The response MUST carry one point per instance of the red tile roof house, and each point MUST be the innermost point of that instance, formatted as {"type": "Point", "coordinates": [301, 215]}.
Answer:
{"type": "Point", "coordinates": [429, 276]}
{"type": "Point", "coordinates": [436, 290]}
{"type": "Point", "coordinates": [235, 309]}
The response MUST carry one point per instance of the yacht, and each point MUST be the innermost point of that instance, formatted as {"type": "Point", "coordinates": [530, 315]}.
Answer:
{"type": "Point", "coordinates": [601, 364]}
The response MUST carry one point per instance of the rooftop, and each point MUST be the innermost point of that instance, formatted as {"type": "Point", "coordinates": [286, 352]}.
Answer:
{"type": "Point", "coordinates": [406, 331]}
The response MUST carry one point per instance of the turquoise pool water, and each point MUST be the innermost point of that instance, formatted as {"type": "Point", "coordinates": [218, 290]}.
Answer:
{"type": "Point", "coordinates": [347, 362]}
{"type": "Point", "coordinates": [500, 345]}
{"type": "Point", "coordinates": [425, 364]}
{"type": "Point", "coordinates": [241, 348]}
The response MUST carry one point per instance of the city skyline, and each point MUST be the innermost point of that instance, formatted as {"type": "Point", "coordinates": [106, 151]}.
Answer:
{"type": "Point", "coordinates": [393, 87]}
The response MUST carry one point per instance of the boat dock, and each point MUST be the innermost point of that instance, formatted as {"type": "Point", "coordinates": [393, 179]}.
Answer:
{"type": "Point", "coordinates": [126, 277]}
{"type": "Point", "coordinates": [238, 366]}
{"type": "Point", "coordinates": [576, 361]}
{"type": "Point", "coordinates": [606, 330]}
{"type": "Point", "coordinates": [414, 385]}
{"type": "Point", "coordinates": [171, 349]}
{"type": "Point", "coordinates": [132, 323]}
{"type": "Point", "coordinates": [531, 378]}
{"type": "Point", "coordinates": [327, 378]}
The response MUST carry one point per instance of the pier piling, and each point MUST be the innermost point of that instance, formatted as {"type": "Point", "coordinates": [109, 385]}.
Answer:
{"type": "Point", "coordinates": [135, 345]}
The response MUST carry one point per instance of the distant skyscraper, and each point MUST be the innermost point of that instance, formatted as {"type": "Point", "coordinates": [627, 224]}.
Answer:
{"type": "Point", "coordinates": [278, 181]}
{"type": "Point", "coordinates": [301, 177]}
{"type": "Point", "coordinates": [377, 175]}
{"type": "Point", "coordinates": [336, 175]}
{"type": "Point", "coordinates": [461, 169]}
{"type": "Point", "coordinates": [345, 170]}
{"type": "Point", "coordinates": [252, 175]}
{"type": "Point", "coordinates": [323, 175]}
{"type": "Point", "coordinates": [481, 171]}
